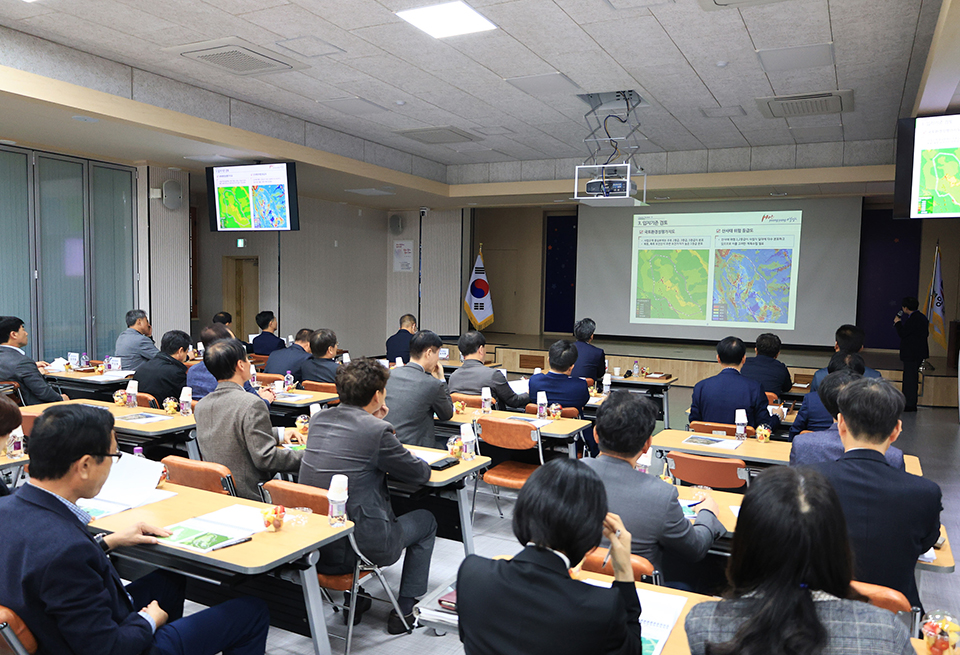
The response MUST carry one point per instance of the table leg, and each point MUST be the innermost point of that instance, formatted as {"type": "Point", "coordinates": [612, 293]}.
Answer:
{"type": "Point", "coordinates": [666, 408]}
{"type": "Point", "coordinates": [572, 449]}
{"type": "Point", "coordinates": [314, 603]}
{"type": "Point", "coordinates": [466, 522]}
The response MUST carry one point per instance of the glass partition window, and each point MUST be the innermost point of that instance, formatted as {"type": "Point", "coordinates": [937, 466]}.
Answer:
{"type": "Point", "coordinates": [15, 268]}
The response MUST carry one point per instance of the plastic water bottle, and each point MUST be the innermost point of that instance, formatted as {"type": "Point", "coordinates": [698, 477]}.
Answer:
{"type": "Point", "coordinates": [469, 439]}
{"type": "Point", "coordinates": [288, 381]}
{"type": "Point", "coordinates": [541, 404]}
{"type": "Point", "coordinates": [741, 419]}
{"type": "Point", "coordinates": [337, 500]}
{"type": "Point", "coordinates": [84, 360]}
{"type": "Point", "coordinates": [15, 445]}
{"type": "Point", "coordinates": [132, 388]}
{"type": "Point", "coordinates": [186, 401]}
{"type": "Point", "coordinates": [636, 368]}
{"type": "Point", "coordinates": [486, 400]}
{"type": "Point", "coordinates": [138, 451]}
{"type": "Point", "coordinates": [253, 378]}
{"type": "Point", "coordinates": [607, 381]}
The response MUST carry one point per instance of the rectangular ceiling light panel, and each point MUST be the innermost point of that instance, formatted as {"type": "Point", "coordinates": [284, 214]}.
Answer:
{"type": "Point", "coordinates": [354, 106]}
{"type": "Point", "coordinates": [447, 19]}
{"type": "Point", "coordinates": [775, 60]}
{"type": "Point", "coordinates": [438, 135]}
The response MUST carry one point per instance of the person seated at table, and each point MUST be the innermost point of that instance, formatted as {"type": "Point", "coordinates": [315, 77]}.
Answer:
{"type": "Point", "coordinates": [893, 516]}
{"type": "Point", "coordinates": [267, 341]}
{"type": "Point", "coordinates": [399, 344]}
{"type": "Point", "coordinates": [417, 391]}
{"type": "Point", "coordinates": [353, 439]}
{"type": "Point", "coordinates": [591, 361]}
{"type": "Point", "coordinates": [560, 387]}
{"type": "Point", "coordinates": [233, 427]}
{"type": "Point", "coordinates": [789, 575]}
{"type": "Point", "coordinates": [292, 358]}
{"type": "Point", "coordinates": [765, 368]}
{"type": "Point", "coordinates": [826, 445]}
{"type": "Point", "coordinates": [56, 576]}
{"type": "Point", "coordinates": [473, 376]}
{"type": "Point", "coordinates": [10, 420]}
{"type": "Point", "coordinates": [226, 319]}
{"type": "Point", "coordinates": [717, 399]}
{"type": "Point", "coordinates": [530, 604]}
{"type": "Point", "coordinates": [647, 505]}
{"type": "Point", "coordinates": [813, 414]}
{"type": "Point", "coordinates": [166, 374]}
{"type": "Point", "coordinates": [202, 382]}
{"type": "Point", "coordinates": [17, 366]}
{"type": "Point", "coordinates": [322, 365]}
{"type": "Point", "coordinates": [849, 339]}
{"type": "Point", "coordinates": [135, 345]}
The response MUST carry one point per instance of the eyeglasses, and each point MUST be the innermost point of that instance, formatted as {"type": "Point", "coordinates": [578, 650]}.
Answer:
{"type": "Point", "coordinates": [117, 454]}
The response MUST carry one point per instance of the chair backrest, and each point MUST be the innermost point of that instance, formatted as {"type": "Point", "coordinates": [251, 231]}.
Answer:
{"type": "Point", "coordinates": [318, 387]}
{"type": "Point", "coordinates": [208, 476]}
{"type": "Point", "coordinates": [594, 563]}
{"type": "Point", "coordinates": [26, 423]}
{"type": "Point", "coordinates": [719, 472]}
{"type": "Point", "coordinates": [471, 401]}
{"type": "Point", "coordinates": [590, 382]}
{"type": "Point", "coordinates": [258, 359]}
{"type": "Point", "coordinates": [729, 429]}
{"type": "Point", "coordinates": [507, 433]}
{"type": "Point", "coordinates": [16, 633]}
{"type": "Point", "coordinates": [772, 398]}
{"type": "Point", "coordinates": [565, 412]}
{"type": "Point", "coordinates": [882, 597]}
{"type": "Point", "coordinates": [269, 378]}
{"type": "Point", "coordinates": [13, 389]}
{"type": "Point", "coordinates": [292, 494]}
{"type": "Point", "coordinates": [147, 400]}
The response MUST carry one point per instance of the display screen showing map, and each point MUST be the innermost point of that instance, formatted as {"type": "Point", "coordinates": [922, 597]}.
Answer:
{"type": "Point", "coordinates": [252, 198]}
{"type": "Point", "coordinates": [732, 269]}
{"type": "Point", "coordinates": [935, 184]}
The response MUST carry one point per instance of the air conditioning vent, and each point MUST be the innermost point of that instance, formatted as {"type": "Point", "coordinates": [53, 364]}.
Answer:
{"type": "Point", "coordinates": [236, 56]}
{"type": "Point", "coordinates": [806, 104]}
{"type": "Point", "coordinates": [714, 5]}
{"type": "Point", "coordinates": [439, 135]}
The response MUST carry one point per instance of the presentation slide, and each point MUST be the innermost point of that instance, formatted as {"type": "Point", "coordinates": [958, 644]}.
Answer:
{"type": "Point", "coordinates": [935, 184]}
{"type": "Point", "coordinates": [732, 269]}
{"type": "Point", "coordinates": [252, 197]}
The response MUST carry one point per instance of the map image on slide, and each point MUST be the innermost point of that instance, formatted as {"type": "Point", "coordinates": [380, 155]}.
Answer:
{"type": "Point", "coordinates": [269, 206]}
{"type": "Point", "coordinates": [672, 284]}
{"type": "Point", "coordinates": [939, 181]}
{"type": "Point", "coordinates": [234, 204]}
{"type": "Point", "coordinates": [752, 286]}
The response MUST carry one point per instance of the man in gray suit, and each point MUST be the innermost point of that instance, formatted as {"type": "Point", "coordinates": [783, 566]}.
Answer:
{"type": "Point", "coordinates": [233, 426]}
{"type": "Point", "coordinates": [417, 391]}
{"type": "Point", "coordinates": [16, 365]}
{"type": "Point", "coordinates": [826, 446]}
{"type": "Point", "coordinates": [134, 345]}
{"type": "Point", "coordinates": [353, 439]}
{"type": "Point", "coordinates": [473, 376]}
{"type": "Point", "coordinates": [647, 505]}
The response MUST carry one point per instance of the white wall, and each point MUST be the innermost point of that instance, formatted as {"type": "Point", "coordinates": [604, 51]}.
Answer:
{"type": "Point", "coordinates": [169, 233]}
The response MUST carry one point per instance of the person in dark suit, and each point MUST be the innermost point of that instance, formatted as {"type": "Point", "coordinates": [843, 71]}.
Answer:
{"type": "Point", "coordinates": [417, 391]}
{"type": "Point", "coordinates": [647, 505]}
{"type": "Point", "coordinates": [530, 604]}
{"type": "Point", "coordinates": [202, 382]}
{"type": "Point", "coordinates": [813, 414]}
{"type": "Point", "coordinates": [16, 366]}
{"type": "Point", "coordinates": [913, 331]}
{"type": "Point", "coordinates": [399, 344]}
{"type": "Point", "coordinates": [292, 358]}
{"type": "Point", "coordinates": [561, 388]}
{"type": "Point", "coordinates": [321, 367]}
{"type": "Point", "coordinates": [825, 444]}
{"type": "Point", "coordinates": [353, 439]}
{"type": "Point", "coordinates": [56, 574]}
{"type": "Point", "coordinates": [10, 420]}
{"type": "Point", "coordinates": [165, 375]}
{"type": "Point", "coordinates": [226, 320]}
{"type": "Point", "coordinates": [849, 339]}
{"type": "Point", "coordinates": [591, 361]}
{"type": "Point", "coordinates": [765, 368]}
{"type": "Point", "coordinates": [717, 399]}
{"type": "Point", "coordinates": [790, 571]}
{"type": "Point", "coordinates": [473, 376]}
{"type": "Point", "coordinates": [267, 341]}
{"type": "Point", "coordinates": [893, 516]}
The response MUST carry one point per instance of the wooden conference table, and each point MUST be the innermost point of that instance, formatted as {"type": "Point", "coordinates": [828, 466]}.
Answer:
{"type": "Point", "coordinates": [265, 552]}
{"type": "Point", "coordinates": [88, 385]}
{"type": "Point", "coordinates": [290, 404]}
{"type": "Point", "coordinates": [657, 388]}
{"type": "Point", "coordinates": [564, 429]}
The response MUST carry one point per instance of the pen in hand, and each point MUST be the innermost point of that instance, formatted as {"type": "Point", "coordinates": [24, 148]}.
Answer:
{"type": "Point", "coordinates": [606, 558]}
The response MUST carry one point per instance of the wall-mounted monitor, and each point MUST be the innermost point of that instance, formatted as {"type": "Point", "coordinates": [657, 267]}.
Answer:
{"type": "Point", "coordinates": [253, 197]}
{"type": "Point", "coordinates": [928, 168]}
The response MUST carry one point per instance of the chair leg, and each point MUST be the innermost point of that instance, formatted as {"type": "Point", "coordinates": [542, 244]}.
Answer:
{"type": "Point", "coordinates": [496, 498]}
{"type": "Point", "coordinates": [393, 599]}
{"type": "Point", "coordinates": [473, 503]}
{"type": "Point", "coordinates": [354, 592]}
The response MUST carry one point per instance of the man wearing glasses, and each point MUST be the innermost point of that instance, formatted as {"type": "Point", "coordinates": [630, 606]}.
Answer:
{"type": "Point", "coordinates": [56, 576]}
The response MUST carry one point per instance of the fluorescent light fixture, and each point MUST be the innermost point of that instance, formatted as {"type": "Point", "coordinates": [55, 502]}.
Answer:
{"type": "Point", "coordinates": [447, 19]}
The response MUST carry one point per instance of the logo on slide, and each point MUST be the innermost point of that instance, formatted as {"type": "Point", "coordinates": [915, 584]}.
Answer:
{"type": "Point", "coordinates": [479, 288]}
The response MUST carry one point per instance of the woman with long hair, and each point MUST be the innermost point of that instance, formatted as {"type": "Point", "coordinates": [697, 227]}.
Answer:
{"type": "Point", "coordinates": [789, 575]}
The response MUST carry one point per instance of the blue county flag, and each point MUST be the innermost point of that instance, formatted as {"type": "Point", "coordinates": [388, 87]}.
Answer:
{"type": "Point", "coordinates": [477, 302]}
{"type": "Point", "coordinates": [935, 303]}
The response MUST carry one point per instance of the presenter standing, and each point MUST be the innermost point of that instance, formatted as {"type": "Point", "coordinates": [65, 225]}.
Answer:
{"type": "Point", "coordinates": [912, 326]}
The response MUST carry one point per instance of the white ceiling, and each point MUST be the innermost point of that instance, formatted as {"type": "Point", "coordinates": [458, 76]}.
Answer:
{"type": "Point", "coordinates": [666, 49]}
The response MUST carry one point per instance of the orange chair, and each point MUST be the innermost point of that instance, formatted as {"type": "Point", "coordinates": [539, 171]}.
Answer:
{"type": "Point", "coordinates": [11, 388]}
{"type": "Point", "coordinates": [258, 360]}
{"type": "Point", "coordinates": [147, 400]}
{"type": "Point", "coordinates": [511, 435]}
{"type": "Point", "coordinates": [208, 476]}
{"type": "Point", "coordinates": [565, 412]}
{"type": "Point", "coordinates": [292, 494]}
{"type": "Point", "coordinates": [15, 633]}
{"type": "Point", "coordinates": [26, 423]}
{"type": "Point", "coordinates": [889, 599]}
{"type": "Point", "coordinates": [590, 382]}
{"type": "Point", "coordinates": [471, 401]}
{"type": "Point", "coordinates": [728, 429]}
{"type": "Point", "coordinates": [772, 398]}
{"type": "Point", "coordinates": [716, 472]}
{"type": "Point", "coordinates": [321, 387]}
{"type": "Point", "coordinates": [641, 566]}
{"type": "Point", "coordinates": [269, 378]}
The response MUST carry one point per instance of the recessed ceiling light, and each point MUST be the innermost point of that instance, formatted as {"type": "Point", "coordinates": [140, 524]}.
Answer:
{"type": "Point", "coordinates": [661, 197]}
{"type": "Point", "coordinates": [472, 204]}
{"type": "Point", "coordinates": [86, 119]}
{"type": "Point", "coordinates": [778, 195]}
{"type": "Point", "coordinates": [173, 168]}
{"type": "Point", "coordinates": [722, 64]}
{"type": "Point", "coordinates": [400, 103]}
{"type": "Point", "coordinates": [447, 19]}
{"type": "Point", "coordinates": [370, 191]}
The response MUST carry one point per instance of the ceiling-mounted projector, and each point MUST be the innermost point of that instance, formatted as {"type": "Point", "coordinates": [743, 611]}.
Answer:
{"type": "Point", "coordinates": [607, 185]}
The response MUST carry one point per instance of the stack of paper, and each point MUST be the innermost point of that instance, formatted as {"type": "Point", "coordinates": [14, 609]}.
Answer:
{"type": "Point", "coordinates": [520, 386]}
{"type": "Point", "coordinates": [110, 376]}
{"type": "Point", "coordinates": [714, 442]}
{"type": "Point", "coordinates": [225, 527]}
{"type": "Point", "coordinates": [659, 613]}
{"type": "Point", "coordinates": [132, 483]}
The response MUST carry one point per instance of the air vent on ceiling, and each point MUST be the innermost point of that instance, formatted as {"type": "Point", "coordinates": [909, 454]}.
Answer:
{"type": "Point", "coordinates": [713, 5]}
{"type": "Point", "coordinates": [806, 104]}
{"type": "Point", "coordinates": [237, 56]}
{"type": "Point", "coordinates": [439, 135]}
